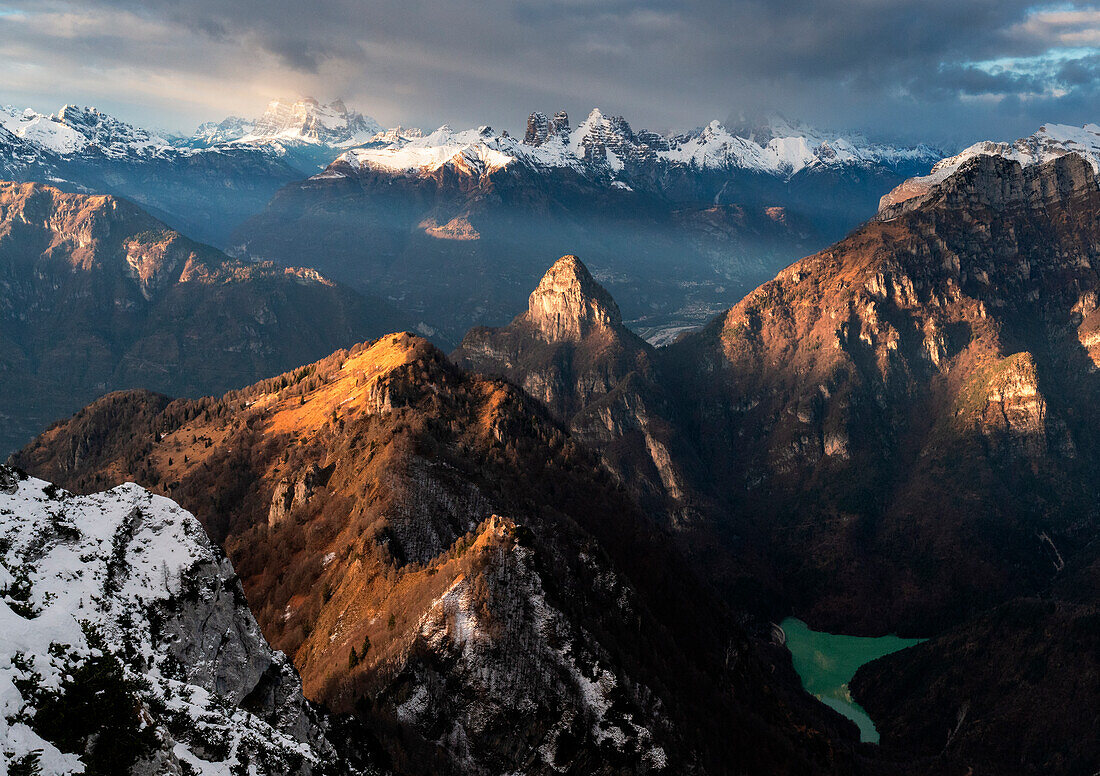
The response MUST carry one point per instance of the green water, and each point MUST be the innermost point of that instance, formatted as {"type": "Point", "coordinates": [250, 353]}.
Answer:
{"type": "Point", "coordinates": [827, 662]}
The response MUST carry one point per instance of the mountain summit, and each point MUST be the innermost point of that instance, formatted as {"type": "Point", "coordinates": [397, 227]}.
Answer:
{"type": "Point", "coordinates": [305, 132]}
{"type": "Point", "coordinates": [569, 303]}
{"type": "Point", "coordinates": [308, 121]}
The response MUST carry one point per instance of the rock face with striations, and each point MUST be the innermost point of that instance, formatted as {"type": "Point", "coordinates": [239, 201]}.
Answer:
{"type": "Point", "coordinates": [541, 128]}
{"type": "Point", "coordinates": [569, 304]}
{"type": "Point", "coordinates": [571, 351]}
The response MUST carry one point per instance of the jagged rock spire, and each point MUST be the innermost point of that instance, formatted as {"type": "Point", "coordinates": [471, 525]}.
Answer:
{"type": "Point", "coordinates": [569, 303]}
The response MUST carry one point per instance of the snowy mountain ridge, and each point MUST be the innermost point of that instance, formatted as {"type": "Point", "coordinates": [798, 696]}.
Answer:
{"type": "Point", "coordinates": [304, 121]}
{"type": "Point", "coordinates": [74, 129]}
{"type": "Point", "coordinates": [1049, 142]}
{"type": "Point", "coordinates": [605, 144]}
{"type": "Point", "coordinates": [123, 591]}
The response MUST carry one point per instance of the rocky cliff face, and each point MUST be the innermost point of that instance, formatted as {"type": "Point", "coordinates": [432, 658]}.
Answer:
{"type": "Point", "coordinates": [571, 351]}
{"type": "Point", "coordinates": [568, 304]}
{"type": "Point", "coordinates": [128, 646]}
{"type": "Point", "coordinates": [458, 572]}
{"type": "Point", "coordinates": [541, 128]}
{"type": "Point", "coordinates": [905, 382]}
{"type": "Point", "coordinates": [99, 294]}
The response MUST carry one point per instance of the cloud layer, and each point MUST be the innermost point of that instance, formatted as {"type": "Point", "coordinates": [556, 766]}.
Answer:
{"type": "Point", "coordinates": [940, 69]}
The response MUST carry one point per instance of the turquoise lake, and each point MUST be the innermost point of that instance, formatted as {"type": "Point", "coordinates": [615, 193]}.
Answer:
{"type": "Point", "coordinates": [826, 662]}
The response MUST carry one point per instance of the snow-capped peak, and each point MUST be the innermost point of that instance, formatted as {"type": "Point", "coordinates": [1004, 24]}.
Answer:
{"type": "Point", "coordinates": [607, 147]}
{"type": "Point", "coordinates": [41, 130]}
{"type": "Point", "coordinates": [1049, 142]}
{"type": "Point", "coordinates": [75, 129]}
{"type": "Point", "coordinates": [306, 120]}
{"type": "Point", "coordinates": [477, 147]}
{"type": "Point", "coordinates": [228, 130]}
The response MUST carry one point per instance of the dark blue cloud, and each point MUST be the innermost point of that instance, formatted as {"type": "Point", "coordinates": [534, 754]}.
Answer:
{"type": "Point", "coordinates": [956, 68]}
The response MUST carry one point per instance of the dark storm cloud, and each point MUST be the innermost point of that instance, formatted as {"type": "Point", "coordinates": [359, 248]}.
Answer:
{"type": "Point", "coordinates": [960, 68]}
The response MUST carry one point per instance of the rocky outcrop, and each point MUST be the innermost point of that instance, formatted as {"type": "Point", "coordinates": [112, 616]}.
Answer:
{"type": "Point", "coordinates": [503, 622]}
{"type": "Point", "coordinates": [295, 493]}
{"type": "Point", "coordinates": [538, 129]}
{"type": "Point", "coordinates": [152, 603]}
{"type": "Point", "coordinates": [571, 351]}
{"type": "Point", "coordinates": [569, 305]}
{"type": "Point", "coordinates": [541, 128]}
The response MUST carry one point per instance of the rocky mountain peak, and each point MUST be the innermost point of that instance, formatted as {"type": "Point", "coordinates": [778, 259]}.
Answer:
{"type": "Point", "coordinates": [568, 303]}
{"type": "Point", "coordinates": [995, 181]}
{"type": "Point", "coordinates": [307, 120]}
{"type": "Point", "coordinates": [1050, 142]}
{"type": "Point", "coordinates": [541, 127]}
{"type": "Point", "coordinates": [105, 130]}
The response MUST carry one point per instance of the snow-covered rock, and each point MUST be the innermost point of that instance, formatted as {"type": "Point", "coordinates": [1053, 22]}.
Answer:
{"type": "Point", "coordinates": [121, 595]}
{"type": "Point", "coordinates": [291, 123]}
{"type": "Point", "coordinates": [308, 121]}
{"type": "Point", "coordinates": [605, 146]}
{"type": "Point", "coordinates": [228, 130]}
{"type": "Point", "coordinates": [1049, 142]}
{"type": "Point", "coordinates": [82, 135]}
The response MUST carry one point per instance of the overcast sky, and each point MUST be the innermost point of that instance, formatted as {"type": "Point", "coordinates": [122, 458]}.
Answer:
{"type": "Point", "coordinates": [945, 70]}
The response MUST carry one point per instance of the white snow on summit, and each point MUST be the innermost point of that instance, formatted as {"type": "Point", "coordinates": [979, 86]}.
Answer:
{"type": "Point", "coordinates": [75, 130]}
{"type": "Point", "coordinates": [43, 131]}
{"type": "Point", "coordinates": [608, 143]}
{"type": "Point", "coordinates": [304, 121]}
{"type": "Point", "coordinates": [786, 149]}
{"type": "Point", "coordinates": [1049, 142]}
{"type": "Point", "coordinates": [475, 148]}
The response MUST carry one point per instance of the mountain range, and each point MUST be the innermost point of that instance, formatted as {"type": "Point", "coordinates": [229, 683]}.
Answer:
{"type": "Point", "coordinates": [678, 226]}
{"type": "Point", "coordinates": [563, 547]}
{"type": "Point", "coordinates": [724, 208]}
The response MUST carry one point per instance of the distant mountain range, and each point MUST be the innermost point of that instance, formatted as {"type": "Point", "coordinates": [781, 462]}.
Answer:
{"type": "Point", "coordinates": [202, 192]}
{"type": "Point", "coordinates": [679, 226]}
{"type": "Point", "coordinates": [303, 131]}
